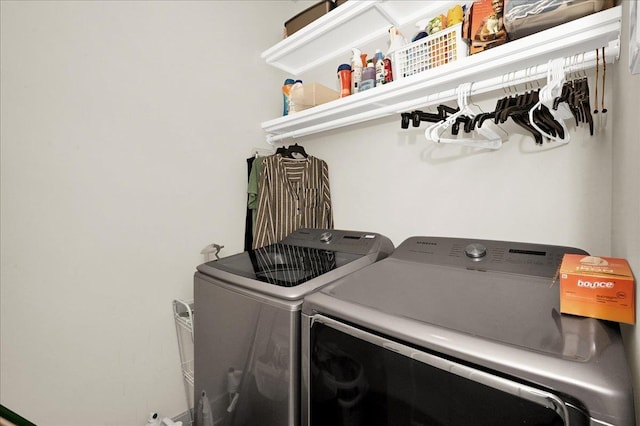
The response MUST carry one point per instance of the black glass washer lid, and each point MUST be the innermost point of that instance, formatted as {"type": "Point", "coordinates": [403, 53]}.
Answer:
{"type": "Point", "coordinates": [283, 265]}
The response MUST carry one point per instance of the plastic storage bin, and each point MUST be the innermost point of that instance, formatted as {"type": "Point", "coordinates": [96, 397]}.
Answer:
{"type": "Point", "coordinates": [430, 52]}
{"type": "Point", "coordinates": [525, 17]}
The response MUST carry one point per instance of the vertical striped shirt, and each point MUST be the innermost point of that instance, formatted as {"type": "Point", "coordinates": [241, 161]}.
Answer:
{"type": "Point", "coordinates": [293, 194]}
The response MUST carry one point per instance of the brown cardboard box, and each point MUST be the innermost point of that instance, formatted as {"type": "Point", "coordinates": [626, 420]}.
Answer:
{"type": "Point", "coordinates": [307, 16]}
{"type": "Point", "coordinates": [598, 287]}
{"type": "Point", "coordinates": [308, 95]}
{"type": "Point", "coordinates": [486, 25]}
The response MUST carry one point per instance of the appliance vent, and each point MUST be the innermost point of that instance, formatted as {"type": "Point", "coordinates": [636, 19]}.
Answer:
{"type": "Point", "coordinates": [497, 254]}
{"type": "Point", "coordinates": [457, 250]}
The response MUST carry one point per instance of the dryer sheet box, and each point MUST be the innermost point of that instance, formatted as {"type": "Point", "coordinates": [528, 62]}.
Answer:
{"type": "Point", "coordinates": [597, 287]}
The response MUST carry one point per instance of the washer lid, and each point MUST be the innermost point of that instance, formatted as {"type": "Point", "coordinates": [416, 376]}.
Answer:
{"type": "Point", "coordinates": [283, 265]}
{"type": "Point", "coordinates": [304, 261]}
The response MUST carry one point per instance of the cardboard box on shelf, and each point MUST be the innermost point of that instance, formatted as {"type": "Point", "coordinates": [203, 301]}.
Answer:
{"type": "Point", "coordinates": [597, 287]}
{"type": "Point", "coordinates": [485, 25]}
{"type": "Point", "coordinates": [307, 16]}
{"type": "Point", "coordinates": [307, 95]}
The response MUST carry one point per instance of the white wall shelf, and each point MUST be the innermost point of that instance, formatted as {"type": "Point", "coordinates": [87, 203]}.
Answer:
{"type": "Point", "coordinates": [353, 24]}
{"type": "Point", "coordinates": [516, 61]}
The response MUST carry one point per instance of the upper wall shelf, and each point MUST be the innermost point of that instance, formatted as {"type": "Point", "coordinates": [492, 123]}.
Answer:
{"type": "Point", "coordinates": [525, 58]}
{"type": "Point", "coordinates": [352, 24]}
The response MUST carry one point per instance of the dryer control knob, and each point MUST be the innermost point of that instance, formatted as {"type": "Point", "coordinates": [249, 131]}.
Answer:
{"type": "Point", "coordinates": [326, 237]}
{"type": "Point", "coordinates": [475, 251]}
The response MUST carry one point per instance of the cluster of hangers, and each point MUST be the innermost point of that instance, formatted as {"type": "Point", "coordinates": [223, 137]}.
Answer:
{"type": "Point", "coordinates": [446, 123]}
{"type": "Point", "coordinates": [292, 151]}
{"type": "Point", "coordinates": [540, 111]}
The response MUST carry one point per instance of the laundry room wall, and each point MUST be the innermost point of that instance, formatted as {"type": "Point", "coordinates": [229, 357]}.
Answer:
{"type": "Point", "coordinates": [626, 185]}
{"type": "Point", "coordinates": [125, 129]}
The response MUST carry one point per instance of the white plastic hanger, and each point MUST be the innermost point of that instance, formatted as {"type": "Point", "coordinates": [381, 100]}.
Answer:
{"type": "Point", "coordinates": [489, 137]}
{"type": "Point", "coordinates": [553, 89]}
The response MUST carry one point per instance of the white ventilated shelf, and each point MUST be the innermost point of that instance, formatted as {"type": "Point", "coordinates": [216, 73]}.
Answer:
{"type": "Point", "coordinates": [526, 58]}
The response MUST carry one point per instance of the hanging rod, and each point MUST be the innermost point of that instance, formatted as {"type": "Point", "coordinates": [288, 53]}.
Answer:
{"type": "Point", "coordinates": [574, 63]}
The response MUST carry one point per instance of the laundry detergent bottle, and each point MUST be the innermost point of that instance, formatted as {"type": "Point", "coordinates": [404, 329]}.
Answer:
{"type": "Point", "coordinates": [368, 77]}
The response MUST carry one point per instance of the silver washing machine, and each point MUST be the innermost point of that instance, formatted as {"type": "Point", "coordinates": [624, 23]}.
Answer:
{"type": "Point", "coordinates": [247, 327]}
{"type": "Point", "coordinates": [449, 331]}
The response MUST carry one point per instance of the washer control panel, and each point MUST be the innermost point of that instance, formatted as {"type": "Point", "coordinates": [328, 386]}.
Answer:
{"type": "Point", "coordinates": [486, 255]}
{"type": "Point", "coordinates": [341, 240]}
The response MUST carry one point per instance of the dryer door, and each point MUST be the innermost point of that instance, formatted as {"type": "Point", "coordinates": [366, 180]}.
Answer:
{"type": "Point", "coordinates": [355, 377]}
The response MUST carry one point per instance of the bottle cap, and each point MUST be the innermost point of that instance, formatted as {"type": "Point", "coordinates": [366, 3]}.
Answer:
{"type": "Point", "coordinates": [356, 54]}
{"type": "Point", "coordinates": [343, 67]}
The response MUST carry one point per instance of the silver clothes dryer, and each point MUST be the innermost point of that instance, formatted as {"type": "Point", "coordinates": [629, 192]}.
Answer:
{"type": "Point", "coordinates": [247, 327]}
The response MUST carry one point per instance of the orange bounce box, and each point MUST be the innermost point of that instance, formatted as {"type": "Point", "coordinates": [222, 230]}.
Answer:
{"type": "Point", "coordinates": [598, 287]}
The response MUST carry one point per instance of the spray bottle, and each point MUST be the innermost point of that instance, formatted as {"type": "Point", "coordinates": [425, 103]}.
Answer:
{"type": "Point", "coordinates": [396, 41]}
{"type": "Point", "coordinates": [296, 92]}
{"type": "Point", "coordinates": [356, 70]}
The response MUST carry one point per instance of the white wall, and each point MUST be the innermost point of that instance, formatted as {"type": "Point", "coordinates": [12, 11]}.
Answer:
{"type": "Point", "coordinates": [626, 187]}
{"type": "Point", "coordinates": [125, 126]}
{"type": "Point", "coordinates": [395, 182]}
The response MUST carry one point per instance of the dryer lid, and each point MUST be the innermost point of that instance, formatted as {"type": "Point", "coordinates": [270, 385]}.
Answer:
{"type": "Point", "coordinates": [511, 299]}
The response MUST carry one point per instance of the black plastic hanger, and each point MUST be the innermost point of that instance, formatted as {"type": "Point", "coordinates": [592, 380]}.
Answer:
{"type": "Point", "coordinates": [296, 149]}
{"type": "Point", "coordinates": [415, 117]}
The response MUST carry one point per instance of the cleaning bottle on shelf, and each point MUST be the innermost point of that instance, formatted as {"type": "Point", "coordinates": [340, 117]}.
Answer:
{"type": "Point", "coordinates": [396, 40]}
{"type": "Point", "coordinates": [388, 70]}
{"type": "Point", "coordinates": [344, 79]}
{"type": "Point", "coordinates": [296, 91]}
{"type": "Point", "coordinates": [356, 70]}
{"type": "Point", "coordinates": [368, 76]}
{"type": "Point", "coordinates": [286, 93]}
{"type": "Point", "coordinates": [379, 67]}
